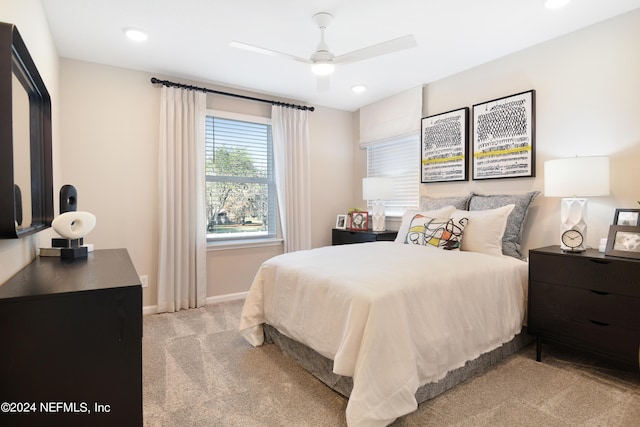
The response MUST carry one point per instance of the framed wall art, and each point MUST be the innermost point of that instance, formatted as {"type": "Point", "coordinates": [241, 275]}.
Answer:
{"type": "Point", "coordinates": [623, 241]}
{"type": "Point", "coordinates": [445, 138]}
{"type": "Point", "coordinates": [504, 136]}
{"type": "Point", "coordinates": [627, 217]}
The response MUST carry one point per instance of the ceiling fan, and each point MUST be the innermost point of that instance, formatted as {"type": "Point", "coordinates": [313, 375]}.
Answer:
{"type": "Point", "coordinates": [323, 61]}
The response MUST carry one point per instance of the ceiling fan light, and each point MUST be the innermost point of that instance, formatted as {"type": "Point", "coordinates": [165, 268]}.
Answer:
{"type": "Point", "coordinates": [322, 68]}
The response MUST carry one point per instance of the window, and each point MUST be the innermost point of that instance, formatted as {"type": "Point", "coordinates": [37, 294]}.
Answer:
{"type": "Point", "coordinates": [397, 158]}
{"type": "Point", "coordinates": [240, 186]}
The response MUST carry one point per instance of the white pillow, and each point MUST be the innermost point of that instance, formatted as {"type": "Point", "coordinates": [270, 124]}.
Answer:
{"type": "Point", "coordinates": [410, 213]}
{"type": "Point", "coordinates": [484, 229]}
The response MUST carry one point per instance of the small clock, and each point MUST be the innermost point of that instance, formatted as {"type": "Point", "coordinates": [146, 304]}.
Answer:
{"type": "Point", "coordinates": [573, 240]}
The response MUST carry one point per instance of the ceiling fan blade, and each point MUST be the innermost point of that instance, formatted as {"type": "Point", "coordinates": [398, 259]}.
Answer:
{"type": "Point", "coordinates": [383, 48]}
{"type": "Point", "coordinates": [265, 51]}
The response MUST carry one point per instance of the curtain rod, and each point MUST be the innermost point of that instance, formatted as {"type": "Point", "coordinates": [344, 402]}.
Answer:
{"type": "Point", "coordinates": [204, 89]}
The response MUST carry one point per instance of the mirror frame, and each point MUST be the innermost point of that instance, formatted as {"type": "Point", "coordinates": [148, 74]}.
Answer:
{"type": "Point", "coordinates": [16, 60]}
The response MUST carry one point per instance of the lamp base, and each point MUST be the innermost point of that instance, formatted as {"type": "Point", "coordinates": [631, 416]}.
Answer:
{"type": "Point", "coordinates": [573, 212]}
{"type": "Point", "coordinates": [377, 215]}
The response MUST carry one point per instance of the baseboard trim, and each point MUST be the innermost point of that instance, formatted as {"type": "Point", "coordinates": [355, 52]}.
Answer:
{"type": "Point", "coordinates": [149, 309]}
{"type": "Point", "coordinates": [153, 309]}
{"type": "Point", "coordinates": [227, 297]}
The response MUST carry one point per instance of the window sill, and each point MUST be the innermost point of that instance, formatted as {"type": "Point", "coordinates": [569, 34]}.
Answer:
{"type": "Point", "coordinates": [242, 244]}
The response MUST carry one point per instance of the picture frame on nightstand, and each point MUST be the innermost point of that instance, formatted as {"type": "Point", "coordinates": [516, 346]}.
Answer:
{"type": "Point", "coordinates": [627, 217]}
{"type": "Point", "coordinates": [623, 241]}
{"type": "Point", "coordinates": [359, 221]}
{"type": "Point", "coordinates": [341, 221]}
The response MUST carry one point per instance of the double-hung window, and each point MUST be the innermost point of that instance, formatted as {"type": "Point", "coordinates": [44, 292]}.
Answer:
{"type": "Point", "coordinates": [397, 158]}
{"type": "Point", "coordinates": [240, 186]}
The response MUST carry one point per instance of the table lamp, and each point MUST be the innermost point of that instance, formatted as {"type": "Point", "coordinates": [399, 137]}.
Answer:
{"type": "Point", "coordinates": [376, 190]}
{"type": "Point", "coordinates": [574, 179]}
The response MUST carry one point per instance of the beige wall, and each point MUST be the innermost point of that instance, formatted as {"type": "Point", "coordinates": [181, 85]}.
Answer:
{"type": "Point", "coordinates": [28, 16]}
{"type": "Point", "coordinates": [110, 133]}
{"type": "Point", "coordinates": [106, 127]}
{"type": "Point", "coordinates": [588, 103]}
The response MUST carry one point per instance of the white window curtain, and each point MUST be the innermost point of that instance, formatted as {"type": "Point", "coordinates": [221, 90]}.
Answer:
{"type": "Point", "coordinates": [391, 117]}
{"type": "Point", "coordinates": [291, 162]}
{"type": "Point", "coordinates": [182, 281]}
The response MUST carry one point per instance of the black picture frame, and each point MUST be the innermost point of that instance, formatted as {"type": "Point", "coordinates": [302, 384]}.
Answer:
{"type": "Point", "coordinates": [504, 137]}
{"type": "Point", "coordinates": [444, 145]}
{"type": "Point", "coordinates": [627, 217]}
{"type": "Point", "coordinates": [27, 207]}
{"type": "Point", "coordinates": [623, 241]}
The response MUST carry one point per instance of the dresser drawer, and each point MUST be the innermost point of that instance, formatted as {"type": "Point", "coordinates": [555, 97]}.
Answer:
{"type": "Point", "coordinates": [619, 343]}
{"type": "Point", "coordinates": [585, 306]}
{"type": "Point", "coordinates": [595, 274]}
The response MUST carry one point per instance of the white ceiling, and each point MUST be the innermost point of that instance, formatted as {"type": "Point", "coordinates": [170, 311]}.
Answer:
{"type": "Point", "coordinates": [190, 39]}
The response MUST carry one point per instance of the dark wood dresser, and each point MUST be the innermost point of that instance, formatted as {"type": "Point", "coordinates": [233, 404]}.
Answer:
{"type": "Point", "coordinates": [585, 300]}
{"type": "Point", "coordinates": [346, 236]}
{"type": "Point", "coordinates": [71, 337]}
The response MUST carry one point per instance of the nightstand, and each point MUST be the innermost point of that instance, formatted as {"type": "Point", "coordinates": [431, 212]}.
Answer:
{"type": "Point", "coordinates": [585, 300]}
{"type": "Point", "coordinates": [344, 237]}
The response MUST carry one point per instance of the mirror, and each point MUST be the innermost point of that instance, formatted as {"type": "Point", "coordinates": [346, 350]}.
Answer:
{"type": "Point", "coordinates": [26, 177]}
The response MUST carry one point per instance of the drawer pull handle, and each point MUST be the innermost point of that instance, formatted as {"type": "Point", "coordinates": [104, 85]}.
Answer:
{"type": "Point", "coordinates": [595, 322]}
{"type": "Point", "coordinates": [600, 292]}
{"type": "Point", "coordinates": [600, 261]}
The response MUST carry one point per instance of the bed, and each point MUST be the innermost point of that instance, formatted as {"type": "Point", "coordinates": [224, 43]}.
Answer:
{"type": "Point", "coordinates": [393, 319]}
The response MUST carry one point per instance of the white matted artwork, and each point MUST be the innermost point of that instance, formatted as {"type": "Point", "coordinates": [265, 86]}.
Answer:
{"type": "Point", "coordinates": [504, 137]}
{"type": "Point", "coordinates": [623, 241]}
{"type": "Point", "coordinates": [445, 138]}
{"type": "Point", "coordinates": [341, 221]}
{"type": "Point", "coordinates": [627, 217]}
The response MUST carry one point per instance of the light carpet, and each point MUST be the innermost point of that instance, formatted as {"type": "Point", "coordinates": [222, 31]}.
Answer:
{"type": "Point", "coordinates": [199, 371]}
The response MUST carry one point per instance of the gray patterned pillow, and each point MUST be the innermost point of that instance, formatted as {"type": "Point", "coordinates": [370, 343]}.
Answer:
{"type": "Point", "coordinates": [431, 203]}
{"type": "Point", "coordinates": [515, 223]}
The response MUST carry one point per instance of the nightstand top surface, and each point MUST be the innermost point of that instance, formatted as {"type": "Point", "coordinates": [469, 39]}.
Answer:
{"type": "Point", "coordinates": [589, 253]}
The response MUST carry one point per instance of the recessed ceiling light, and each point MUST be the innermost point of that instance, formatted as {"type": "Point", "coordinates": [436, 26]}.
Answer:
{"type": "Point", "coordinates": [359, 88]}
{"type": "Point", "coordinates": [555, 4]}
{"type": "Point", "coordinates": [135, 34]}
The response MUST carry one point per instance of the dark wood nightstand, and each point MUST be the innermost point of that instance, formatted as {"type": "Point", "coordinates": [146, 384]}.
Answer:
{"type": "Point", "coordinates": [344, 237]}
{"type": "Point", "coordinates": [585, 300]}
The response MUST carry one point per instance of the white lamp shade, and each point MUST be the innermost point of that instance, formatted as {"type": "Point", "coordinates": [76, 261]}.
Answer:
{"type": "Point", "coordinates": [576, 177]}
{"type": "Point", "coordinates": [377, 188]}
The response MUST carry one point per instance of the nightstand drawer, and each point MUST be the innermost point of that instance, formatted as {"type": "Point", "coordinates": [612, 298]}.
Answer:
{"type": "Point", "coordinates": [622, 344]}
{"type": "Point", "coordinates": [344, 237]}
{"type": "Point", "coordinates": [596, 274]}
{"type": "Point", "coordinates": [354, 237]}
{"type": "Point", "coordinates": [585, 306]}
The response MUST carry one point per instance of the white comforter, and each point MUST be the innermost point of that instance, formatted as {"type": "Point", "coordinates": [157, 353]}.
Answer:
{"type": "Point", "coordinates": [392, 316]}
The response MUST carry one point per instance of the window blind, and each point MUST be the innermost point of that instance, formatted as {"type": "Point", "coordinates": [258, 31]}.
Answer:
{"type": "Point", "coordinates": [397, 158]}
{"type": "Point", "coordinates": [240, 179]}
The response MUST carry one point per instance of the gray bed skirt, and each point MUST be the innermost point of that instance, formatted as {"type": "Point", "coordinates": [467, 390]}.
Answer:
{"type": "Point", "coordinates": [321, 367]}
